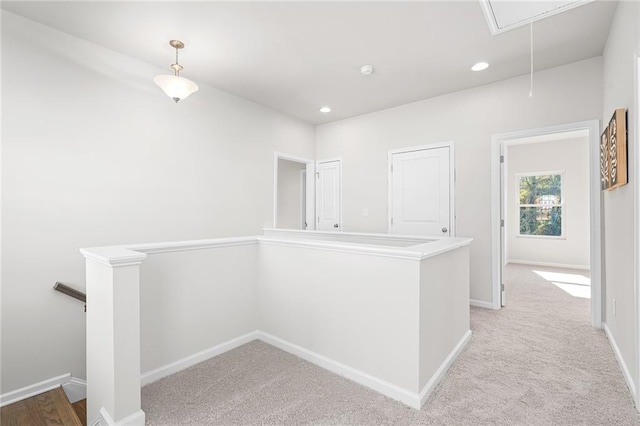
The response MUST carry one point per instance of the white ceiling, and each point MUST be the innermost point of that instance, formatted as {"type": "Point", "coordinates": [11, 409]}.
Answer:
{"type": "Point", "coordinates": [298, 56]}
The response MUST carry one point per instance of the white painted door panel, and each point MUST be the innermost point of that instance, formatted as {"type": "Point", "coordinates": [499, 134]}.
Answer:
{"type": "Point", "coordinates": [328, 196]}
{"type": "Point", "coordinates": [420, 192]}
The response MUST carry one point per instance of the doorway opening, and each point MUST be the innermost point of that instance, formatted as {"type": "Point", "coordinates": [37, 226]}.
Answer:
{"type": "Point", "coordinates": [546, 208]}
{"type": "Point", "coordinates": [293, 192]}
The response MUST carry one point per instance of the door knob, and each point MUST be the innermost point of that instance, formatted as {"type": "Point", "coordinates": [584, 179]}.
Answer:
{"type": "Point", "coordinates": [335, 225]}
{"type": "Point", "coordinates": [444, 230]}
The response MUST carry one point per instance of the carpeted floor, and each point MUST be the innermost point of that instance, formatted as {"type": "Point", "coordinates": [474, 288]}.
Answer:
{"type": "Point", "coordinates": [535, 362]}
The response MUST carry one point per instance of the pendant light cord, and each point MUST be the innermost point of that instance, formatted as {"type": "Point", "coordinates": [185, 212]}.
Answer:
{"type": "Point", "coordinates": [531, 50]}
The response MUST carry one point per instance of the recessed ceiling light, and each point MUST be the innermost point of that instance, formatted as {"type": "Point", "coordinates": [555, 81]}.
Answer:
{"type": "Point", "coordinates": [325, 109]}
{"type": "Point", "coordinates": [480, 66]}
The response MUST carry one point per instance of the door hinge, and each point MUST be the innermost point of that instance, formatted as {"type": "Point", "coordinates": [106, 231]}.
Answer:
{"type": "Point", "coordinates": [502, 158]}
{"type": "Point", "coordinates": [318, 219]}
{"type": "Point", "coordinates": [317, 175]}
{"type": "Point", "coordinates": [501, 287]}
{"type": "Point", "coordinates": [455, 175]}
{"type": "Point", "coordinates": [392, 168]}
{"type": "Point", "coordinates": [501, 223]}
{"type": "Point", "coordinates": [392, 221]}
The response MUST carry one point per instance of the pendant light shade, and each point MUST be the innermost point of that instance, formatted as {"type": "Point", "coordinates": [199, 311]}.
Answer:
{"type": "Point", "coordinates": [176, 87]}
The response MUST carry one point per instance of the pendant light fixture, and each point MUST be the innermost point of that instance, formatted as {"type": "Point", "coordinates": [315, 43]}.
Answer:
{"type": "Point", "coordinates": [176, 87]}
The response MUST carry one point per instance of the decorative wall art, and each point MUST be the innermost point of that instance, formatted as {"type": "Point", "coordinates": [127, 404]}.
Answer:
{"type": "Point", "coordinates": [613, 152]}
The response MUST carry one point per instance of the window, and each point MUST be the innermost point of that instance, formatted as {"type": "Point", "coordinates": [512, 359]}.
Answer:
{"type": "Point", "coordinates": [540, 204]}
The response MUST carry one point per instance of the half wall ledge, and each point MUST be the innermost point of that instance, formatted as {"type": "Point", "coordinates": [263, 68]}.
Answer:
{"type": "Point", "coordinates": [386, 292]}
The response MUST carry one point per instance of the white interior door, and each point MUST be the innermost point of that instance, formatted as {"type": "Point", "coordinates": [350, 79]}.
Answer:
{"type": "Point", "coordinates": [328, 209]}
{"type": "Point", "coordinates": [420, 192]}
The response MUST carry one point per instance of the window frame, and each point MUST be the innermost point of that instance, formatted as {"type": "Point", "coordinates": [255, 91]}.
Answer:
{"type": "Point", "coordinates": [562, 204]}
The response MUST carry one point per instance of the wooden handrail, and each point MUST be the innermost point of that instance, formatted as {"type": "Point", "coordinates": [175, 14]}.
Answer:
{"type": "Point", "coordinates": [72, 292]}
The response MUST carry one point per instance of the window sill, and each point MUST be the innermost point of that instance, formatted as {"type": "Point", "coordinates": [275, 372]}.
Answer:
{"type": "Point", "coordinates": [543, 237]}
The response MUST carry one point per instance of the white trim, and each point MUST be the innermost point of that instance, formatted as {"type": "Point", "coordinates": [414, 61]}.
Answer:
{"type": "Point", "coordinates": [548, 264]}
{"type": "Point", "coordinates": [34, 389]}
{"type": "Point", "coordinates": [395, 392]}
{"type": "Point", "coordinates": [134, 254]}
{"type": "Point", "coordinates": [636, 213]}
{"type": "Point", "coordinates": [170, 247]}
{"type": "Point", "coordinates": [452, 180]}
{"type": "Point", "coordinates": [417, 252]}
{"type": "Point", "coordinates": [338, 246]}
{"type": "Point", "coordinates": [362, 235]}
{"type": "Point", "coordinates": [276, 156]}
{"type": "Point", "coordinates": [303, 198]}
{"type": "Point", "coordinates": [497, 143]}
{"type": "Point", "coordinates": [621, 363]}
{"type": "Point", "coordinates": [114, 257]}
{"type": "Point", "coordinates": [294, 158]}
{"type": "Point", "coordinates": [434, 145]}
{"type": "Point", "coordinates": [184, 363]}
{"type": "Point", "coordinates": [412, 399]}
{"type": "Point", "coordinates": [104, 419]}
{"type": "Point", "coordinates": [542, 237]}
{"type": "Point", "coordinates": [76, 389]}
{"type": "Point", "coordinates": [443, 368]}
{"type": "Point", "coordinates": [481, 304]}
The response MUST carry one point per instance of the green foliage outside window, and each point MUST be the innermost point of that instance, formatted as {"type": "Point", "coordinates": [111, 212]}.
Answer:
{"type": "Point", "coordinates": [540, 205]}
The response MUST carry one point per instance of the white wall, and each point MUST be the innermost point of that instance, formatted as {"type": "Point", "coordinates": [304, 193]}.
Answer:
{"type": "Point", "coordinates": [319, 289]}
{"type": "Point", "coordinates": [95, 154]}
{"type": "Point", "coordinates": [444, 297]}
{"type": "Point", "coordinates": [619, 226]}
{"type": "Point", "coordinates": [572, 158]}
{"type": "Point", "coordinates": [191, 301]}
{"type": "Point", "coordinates": [289, 195]}
{"type": "Point", "coordinates": [566, 94]}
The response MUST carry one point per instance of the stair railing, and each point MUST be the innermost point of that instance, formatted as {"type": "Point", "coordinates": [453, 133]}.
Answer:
{"type": "Point", "coordinates": [71, 292]}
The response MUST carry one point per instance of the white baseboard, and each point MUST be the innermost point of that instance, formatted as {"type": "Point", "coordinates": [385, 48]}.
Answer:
{"type": "Point", "coordinates": [34, 389]}
{"type": "Point", "coordinates": [412, 399]}
{"type": "Point", "coordinates": [444, 367]}
{"type": "Point", "coordinates": [76, 389]}
{"type": "Point", "coordinates": [181, 364]}
{"type": "Point", "coordinates": [481, 304]}
{"type": "Point", "coordinates": [104, 419]}
{"type": "Point", "coordinates": [621, 363]}
{"type": "Point", "coordinates": [549, 264]}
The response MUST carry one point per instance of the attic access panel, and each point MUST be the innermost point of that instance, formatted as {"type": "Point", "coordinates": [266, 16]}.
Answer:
{"type": "Point", "coordinates": [504, 15]}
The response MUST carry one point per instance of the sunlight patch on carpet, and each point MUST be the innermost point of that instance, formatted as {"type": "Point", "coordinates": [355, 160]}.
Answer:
{"type": "Point", "coordinates": [575, 290]}
{"type": "Point", "coordinates": [576, 279]}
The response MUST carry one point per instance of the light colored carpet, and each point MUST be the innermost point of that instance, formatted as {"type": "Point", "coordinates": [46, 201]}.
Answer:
{"type": "Point", "coordinates": [535, 362]}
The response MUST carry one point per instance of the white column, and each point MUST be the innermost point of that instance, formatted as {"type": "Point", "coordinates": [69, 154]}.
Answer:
{"type": "Point", "coordinates": [113, 336]}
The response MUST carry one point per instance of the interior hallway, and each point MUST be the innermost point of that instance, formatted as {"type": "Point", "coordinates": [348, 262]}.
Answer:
{"type": "Point", "coordinates": [537, 361]}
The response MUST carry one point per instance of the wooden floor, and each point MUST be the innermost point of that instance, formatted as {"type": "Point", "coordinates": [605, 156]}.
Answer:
{"type": "Point", "coordinates": [49, 408]}
{"type": "Point", "coordinates": [81, 410]}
